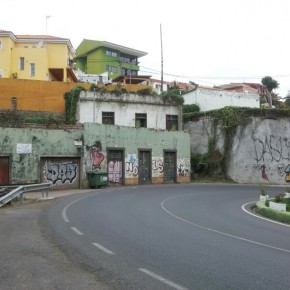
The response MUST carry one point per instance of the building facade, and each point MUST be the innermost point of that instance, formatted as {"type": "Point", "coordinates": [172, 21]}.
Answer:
{"type": "Point", "coordinates": [36, 57]}
{"type": "Point", "coordinates": [215, 98]}
{"type": "Point", "coordinates": [130, 110]}
{"type": "Point", "coordinates": [98, 57]}
{"type": "Point", "coordinates": [64, 157]}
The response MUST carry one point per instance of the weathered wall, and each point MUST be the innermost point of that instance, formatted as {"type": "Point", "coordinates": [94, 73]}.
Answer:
{"type": "Point", "coordinates": [260, 151]}
{"type": "Point", "coordinates": [26, 146]}
{"type": "Point", "coordinates": [91, 106]}
{"type": "Point", "coordinates": [40, 155]}
{"type": "Point", "coordinates": [132, 139]}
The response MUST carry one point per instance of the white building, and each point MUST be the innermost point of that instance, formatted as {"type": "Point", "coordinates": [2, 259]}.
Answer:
{"type": "Point", "coordinates": [215, 98]}
{"type": "Point", "coordinates": [130, 110]}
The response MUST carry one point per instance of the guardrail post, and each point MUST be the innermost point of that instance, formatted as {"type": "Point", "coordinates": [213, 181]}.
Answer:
{"type": "Point", "coordinates": [21, 198]}
{"type": "Point", "coordinates": [45, 192]}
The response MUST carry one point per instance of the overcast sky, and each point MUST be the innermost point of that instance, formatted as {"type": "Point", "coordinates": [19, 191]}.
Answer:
{"type": "Point", "coordinates": [209, 42]}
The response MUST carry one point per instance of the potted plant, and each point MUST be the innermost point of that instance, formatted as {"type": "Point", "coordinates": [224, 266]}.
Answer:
{"type": "Point", "coordinates": [278, 203]}
{"type": "Point", "coordinates": [263, 193]}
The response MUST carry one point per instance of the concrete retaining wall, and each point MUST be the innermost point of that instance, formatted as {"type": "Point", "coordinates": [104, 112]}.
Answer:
{"type": "Point", "coordinates": [260, 151]}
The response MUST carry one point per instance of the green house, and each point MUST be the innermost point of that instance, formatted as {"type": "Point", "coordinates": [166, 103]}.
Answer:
{"type": "Point", "coordinates": [97, 57]}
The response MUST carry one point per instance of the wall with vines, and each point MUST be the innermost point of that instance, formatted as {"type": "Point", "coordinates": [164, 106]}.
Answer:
{"type": "Point", "coordinates": [243, 144]}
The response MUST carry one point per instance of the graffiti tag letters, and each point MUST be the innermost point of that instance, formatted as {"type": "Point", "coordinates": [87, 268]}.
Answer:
{"type": "Point", "coordinates": [62, 172]}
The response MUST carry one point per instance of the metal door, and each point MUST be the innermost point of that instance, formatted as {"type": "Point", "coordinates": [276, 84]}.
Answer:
{"type": "Point", "coordinates": [115, 166]}
{"type": "Point", "coordinates": [144, 164]}
{"type": "Point", "coordinates": [169, 167]}
{"type": "Point", "coordinates": [4, 170]}
{"type": "Point", "coordinates": [62, 172]}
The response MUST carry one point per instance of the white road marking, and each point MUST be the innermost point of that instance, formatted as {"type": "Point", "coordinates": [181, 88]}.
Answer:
{"type": "Point", "coordinates": [161, 279]}
{"type": "Point", "coordinates": [103, 249]}
{"type": "Point", "coordinates": [216, 231]}
{"type": "Point", "coordinates": [77, 231]}
{"type": "Point", "coordinates": [64, 211]}
{"type": "Point", "coordinates": [260, 217]}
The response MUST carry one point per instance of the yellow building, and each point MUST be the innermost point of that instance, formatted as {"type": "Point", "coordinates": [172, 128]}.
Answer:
{"type": "Point", "coordinates": [36, 57]}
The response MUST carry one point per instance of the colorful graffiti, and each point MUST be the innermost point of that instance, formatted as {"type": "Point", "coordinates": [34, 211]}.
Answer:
{"type": "Point", "coordinates": [287, 171]}
{"type": "Point", "coordinates": [96, 156]}
{"type": "Point", "coordinates": [183, 167]}
{"type": "Point", "coordinates": [63, 171]}
{"type": "Point", "coordinates": [132, 166]}
{"type": "Point", "coordinates": [115, 171]}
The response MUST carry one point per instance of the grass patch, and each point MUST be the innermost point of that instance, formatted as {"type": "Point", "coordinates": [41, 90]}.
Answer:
{"type": "Point", "coordinates": [280, 216]}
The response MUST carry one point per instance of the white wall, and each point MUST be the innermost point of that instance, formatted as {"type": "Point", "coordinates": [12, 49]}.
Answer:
{"type": "Point", "coordinates": [91, 107]}
{"type": "Point", "coordinates": [211, 99]}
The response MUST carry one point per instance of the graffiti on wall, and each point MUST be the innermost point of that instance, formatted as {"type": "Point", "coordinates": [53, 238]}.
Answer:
{"type": "Point", "coordinates": [115, 171]}
{"type": "Point", "coordinates": [60, 171]}
{"type": "Point", "coordinates": [96, 157]}
{"type": "Point", "coordinates": [272, 148]}
{"type": "Point", "coordinates": [132, 166]}
{"type": "Point", "coordinates": [271, 152]}
{"type": "Point", "coordinates": [157, 166]}
{"type": "Point", "coordinates": [183, 167]}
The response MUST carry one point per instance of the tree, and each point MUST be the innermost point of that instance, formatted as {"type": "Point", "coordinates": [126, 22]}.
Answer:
{"type": "Point", "coordinates": [270, 85]}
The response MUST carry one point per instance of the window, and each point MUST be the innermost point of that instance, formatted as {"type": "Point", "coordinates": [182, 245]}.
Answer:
{"type": "Point", "coordinates": [172, 122]}
{"type": "Point", "coordinates": [108, 118]}
{"type": "Point", "coordinates": [140, 120]}
{"type": "Point", "coordinates": [32, 69]}
{"type": "Point", "coordinates": [111, 53]}
{"type": "Point", "coordinates": [128, 58]}
{"type": "Point", "coordinates": [21, 63]}
{"type": "Point", "coordinates": [110, 68]}
{"type": "Point", "coordinates": [0, 44]}
{"type": "Point", "coordinates": [1, 74]}
{"type": "Point", "coordinates": [128, 72]}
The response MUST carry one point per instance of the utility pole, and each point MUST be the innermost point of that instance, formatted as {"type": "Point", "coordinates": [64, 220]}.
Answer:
{"type": "Point", "coordinates": [161, 59]}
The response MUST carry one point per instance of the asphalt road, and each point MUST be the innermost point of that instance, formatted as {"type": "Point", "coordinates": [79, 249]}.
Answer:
{"type": "Point", "coordinates": [189, 236]}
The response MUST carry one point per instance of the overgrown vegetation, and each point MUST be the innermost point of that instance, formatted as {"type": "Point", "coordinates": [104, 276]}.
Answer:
{"type": "Point", "coordinates": [144, 92]}
{"type": "Point", "coordinates": [71, 99]}
{"type": "Point", "coordinates": [193, 108]}
{"type": "Point", "coordinates": [172, 96]}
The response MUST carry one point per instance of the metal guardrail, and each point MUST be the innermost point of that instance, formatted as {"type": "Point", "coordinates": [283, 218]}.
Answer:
{"type": "Point", "coordinates": [18, 192]}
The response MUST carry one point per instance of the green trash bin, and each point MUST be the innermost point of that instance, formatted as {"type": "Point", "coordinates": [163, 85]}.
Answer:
{"type": "Point", "coordinates": [97, 179]}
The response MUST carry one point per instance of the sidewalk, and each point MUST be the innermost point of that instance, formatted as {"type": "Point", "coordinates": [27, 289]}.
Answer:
{"type": "Point", "coordinates": [38, 195]}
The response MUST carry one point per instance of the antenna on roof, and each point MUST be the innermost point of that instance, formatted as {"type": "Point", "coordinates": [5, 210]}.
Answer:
{"type": "Point", "coordinates": [40, 43]}
{"type": "Point", "coordinates": [161, 59]}
{"type": "Point", "coordinates": [46, 18]}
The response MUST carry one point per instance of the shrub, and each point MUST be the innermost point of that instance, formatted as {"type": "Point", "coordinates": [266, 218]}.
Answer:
{"type": "Point", "coordinates": [144, 92]}
{"type": "Point", "coordinates": [119, 92]}
{"type": "Point", "coordinates": [190, 108]}
{"type": "Point", "coordinates": [263, 190]}
{"type": "Point", "coordinates": [279, 197]}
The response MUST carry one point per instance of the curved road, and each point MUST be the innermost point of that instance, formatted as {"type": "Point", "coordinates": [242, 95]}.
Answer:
{"type": "Point", "coordinates": [192, 236]}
